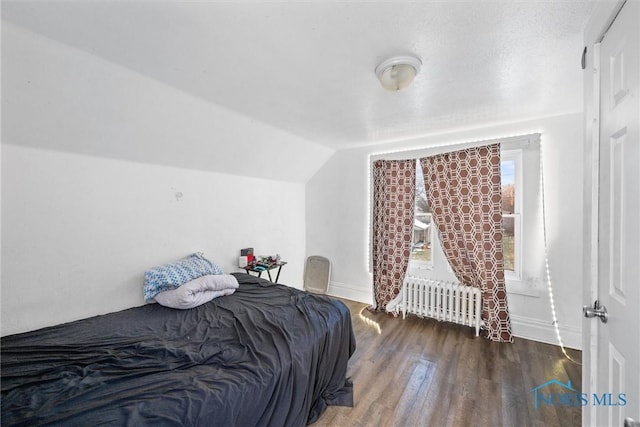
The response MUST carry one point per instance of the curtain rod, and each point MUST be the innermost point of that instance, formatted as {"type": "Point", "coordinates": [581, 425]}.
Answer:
{"type": "Point", "coordinates": [523, 140]}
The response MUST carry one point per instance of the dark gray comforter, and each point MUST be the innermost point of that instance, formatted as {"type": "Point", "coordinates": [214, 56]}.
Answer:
{"type": "Point", "coordinates": [266, 355]}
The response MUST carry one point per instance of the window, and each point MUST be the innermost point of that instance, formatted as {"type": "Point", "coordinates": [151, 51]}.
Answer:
{"type": "Point", "coordinates": [423, 230]}
{"type": "Point", "coordinates": [520, 178]}
{"type": "Point", "coordinates": [511, 172]}
{"type": "Point", "coordinates": [421, 250]}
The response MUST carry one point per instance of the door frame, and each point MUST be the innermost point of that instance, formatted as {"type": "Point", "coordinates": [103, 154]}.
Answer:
{"type": "Point", "coordinates": [601, 19]}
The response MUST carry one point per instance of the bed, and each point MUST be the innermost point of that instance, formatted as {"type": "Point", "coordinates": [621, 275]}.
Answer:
{"type": "Point", "coordinates": [266, 355]}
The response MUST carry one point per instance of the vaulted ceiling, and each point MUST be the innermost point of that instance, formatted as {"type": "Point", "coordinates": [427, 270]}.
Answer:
{"type": "Point", "coordinates": [307, 68]}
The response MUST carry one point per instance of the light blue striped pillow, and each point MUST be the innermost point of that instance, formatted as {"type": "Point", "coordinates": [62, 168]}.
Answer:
{"type": "Point", "coordinates": [171, 276]}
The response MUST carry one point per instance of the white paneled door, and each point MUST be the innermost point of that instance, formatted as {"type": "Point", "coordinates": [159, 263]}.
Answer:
{"type": "Point", "coordinates": [617, 379]}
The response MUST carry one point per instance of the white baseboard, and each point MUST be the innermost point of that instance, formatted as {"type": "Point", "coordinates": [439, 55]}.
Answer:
{"type": "Point", "coordinates": [354, 293]}
{"type": "Point", "coordinates": [544, 331]}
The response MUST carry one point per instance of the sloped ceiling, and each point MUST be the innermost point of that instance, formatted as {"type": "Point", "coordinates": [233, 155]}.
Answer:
{"type": "Point", "coordinates": [306, 69]}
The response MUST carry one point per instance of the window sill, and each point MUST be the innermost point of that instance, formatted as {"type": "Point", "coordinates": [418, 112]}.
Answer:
{"type": "Point", "coordinates": [417, 267]}
{"type": "Point", "coordinates": [528, 288]}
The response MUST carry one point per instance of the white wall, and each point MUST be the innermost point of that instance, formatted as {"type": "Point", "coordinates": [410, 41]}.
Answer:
{"type": "Point", "coordinates": [94, 157]}
{"type": "Point", "coordinates": [337, 202]}
{"type": "Point", "coordinates": [62, 98]}
{"type": "Point", "coordinates": [79, 231]}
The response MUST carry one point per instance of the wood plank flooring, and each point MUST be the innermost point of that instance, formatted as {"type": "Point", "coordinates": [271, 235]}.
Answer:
{"type": "Point", "coordinates": [421, 372]}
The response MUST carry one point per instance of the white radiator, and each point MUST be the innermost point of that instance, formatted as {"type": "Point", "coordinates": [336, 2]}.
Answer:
{"type": "Point", "coordinates": [442, 300]}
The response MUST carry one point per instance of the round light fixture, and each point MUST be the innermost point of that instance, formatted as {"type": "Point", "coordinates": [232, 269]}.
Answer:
{"type": "Point", "coordinates": [398, 72]}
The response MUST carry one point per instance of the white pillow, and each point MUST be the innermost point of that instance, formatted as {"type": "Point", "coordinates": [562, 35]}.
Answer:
{"type": "Point", "coordinates": [198, 291]}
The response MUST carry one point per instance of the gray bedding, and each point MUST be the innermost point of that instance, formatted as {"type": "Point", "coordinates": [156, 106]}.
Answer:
{"type": "Point", "coordinates": [266, 355]}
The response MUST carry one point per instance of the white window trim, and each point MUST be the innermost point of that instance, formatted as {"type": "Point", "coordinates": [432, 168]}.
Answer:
{"type": "Point", "coordinates": [516, 156]}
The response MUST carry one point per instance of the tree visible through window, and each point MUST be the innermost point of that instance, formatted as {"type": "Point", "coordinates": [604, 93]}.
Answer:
{"type": "Point", "coordinates": [509, 212]}
{"type": "Point", "coordinates": [421, 253]}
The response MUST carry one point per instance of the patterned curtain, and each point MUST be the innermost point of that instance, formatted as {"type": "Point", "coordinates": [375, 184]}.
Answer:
{"type": "Point", "coordinates": [394, 188]}
{"type": "Point", "coordinates": [464, 191]}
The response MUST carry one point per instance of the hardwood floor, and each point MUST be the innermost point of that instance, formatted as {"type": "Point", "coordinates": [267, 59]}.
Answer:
{"type": "Point", "coordinates": [421, 372]}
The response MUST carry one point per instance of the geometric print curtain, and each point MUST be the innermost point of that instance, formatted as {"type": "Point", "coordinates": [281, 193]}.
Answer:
{"type": "Point", "coordinates": [394, 187]}
{"type": "Point", "coordinates": [464, 192]}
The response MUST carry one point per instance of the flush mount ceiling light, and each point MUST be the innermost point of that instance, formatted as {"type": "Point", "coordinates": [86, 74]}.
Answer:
{"type": "Point", "coordinates": [398, 72]}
